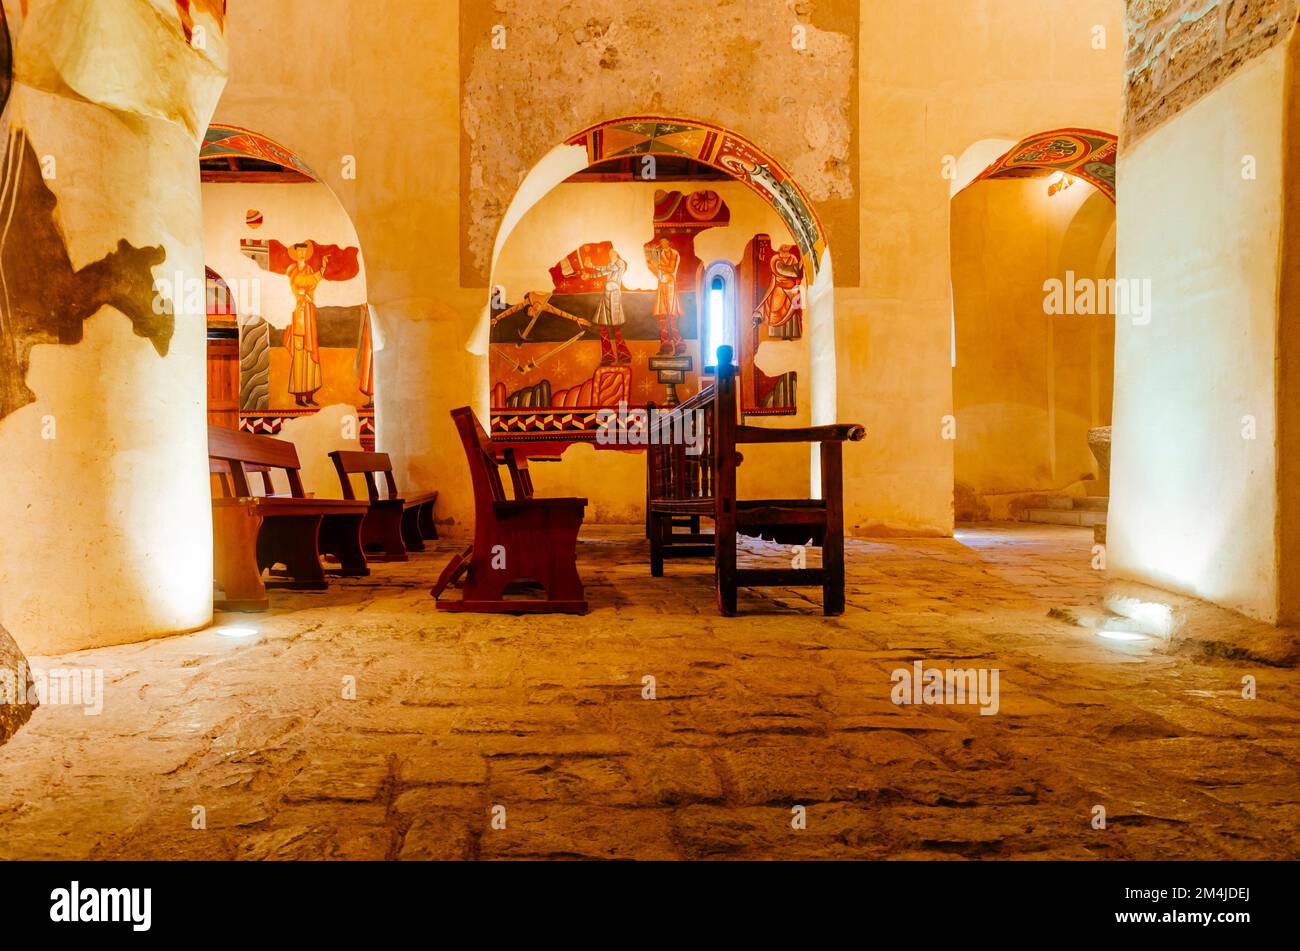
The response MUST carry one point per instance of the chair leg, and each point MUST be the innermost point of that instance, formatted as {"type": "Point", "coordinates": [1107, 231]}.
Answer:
{"type": "Point", "coordinates": [833, 575]}
{"type": "Point", "coordinates": [657, 531]}
{"type": "Point", "coordinates": [234, 533]}
{"type": "Point", "coordinates": [833, 534]}
{"type": "Point", "coordinates": [382, 532]}
{"type": "Point", "coordinates": [725, 568]}
{"type": "Point", "coordinates": [427, 527]}
{"type": "Point", "coordinates": [411, 535]}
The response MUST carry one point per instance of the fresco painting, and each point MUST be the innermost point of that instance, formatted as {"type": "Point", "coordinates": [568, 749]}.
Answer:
{"type": "Point", "coordinates": [559, 355]}
{"type": "Point", "coordinates": [715, 146]}
{"type": "Point", "coordinates": [323, 355]}
{"type": "Point", "coordinates": [46, 299]}
{"type": "Point", "coordinates": [1081, 153]}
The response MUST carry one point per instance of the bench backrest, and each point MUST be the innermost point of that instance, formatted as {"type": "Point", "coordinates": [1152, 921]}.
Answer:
{"type": "Point", "coordinates": [244, 452]}
{"type": "Point", "coordinates": [367, 464]}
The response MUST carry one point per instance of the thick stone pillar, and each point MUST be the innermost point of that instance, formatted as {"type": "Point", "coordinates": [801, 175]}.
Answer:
{"type": "Point", "coordinates": [102, 371]}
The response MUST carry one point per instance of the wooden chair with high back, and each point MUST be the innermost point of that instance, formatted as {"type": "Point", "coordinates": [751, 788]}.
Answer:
{"type": "Point", "coordinates": [682, 489]}
{"type": "Point", "coordinates": [516, 540]}
{"type": "Point", "coordinates": [787, 521]}
{"type": "Point", "coordinates": [679, 481]}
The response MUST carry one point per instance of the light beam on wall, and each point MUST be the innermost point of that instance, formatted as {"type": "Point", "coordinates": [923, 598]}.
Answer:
{"type": "Point", "coordinates": [1059, 183]}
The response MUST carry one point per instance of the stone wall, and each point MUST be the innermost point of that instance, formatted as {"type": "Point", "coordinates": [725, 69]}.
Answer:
{"type": "Point", "coordinates": [784, 74]}
{"type": "Point", "coordinates": [1179, 50]}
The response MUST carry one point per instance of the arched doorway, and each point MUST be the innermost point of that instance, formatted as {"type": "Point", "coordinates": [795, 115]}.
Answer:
{"type": "Point", "coordinates": [1033, 278]}
{"type": "Point", "coordinates": [602, 274]}
{"type": "Point", "coordinates": [296, 330]}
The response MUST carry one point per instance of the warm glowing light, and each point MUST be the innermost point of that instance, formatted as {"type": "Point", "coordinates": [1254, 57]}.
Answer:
{"type": "Point", "coordinates": [1059, 183]}
{"type": "Point", "coordinates": [239, 632]}
{"type": "Point", "coordinates": [1121, 635]}
{"type": "Point", "coordinates": [1156, 618]}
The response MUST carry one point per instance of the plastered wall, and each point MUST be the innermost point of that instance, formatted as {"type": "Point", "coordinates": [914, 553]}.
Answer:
{"type": "Point", "coordinates": [1194, 502]}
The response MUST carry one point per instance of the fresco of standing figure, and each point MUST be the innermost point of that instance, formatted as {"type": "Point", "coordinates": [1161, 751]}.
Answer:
{"type": "Point", "coordinates": [609, 315]}
{"type": "Point", "coordinates": [663, 260]}
{"type": "Point", "coordinates": [301, 339]}
{"type": "Point", "coordinates": [782, 306]}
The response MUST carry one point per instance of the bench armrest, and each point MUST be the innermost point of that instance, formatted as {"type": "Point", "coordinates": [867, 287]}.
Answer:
{"type": "Point", "coordinates": [838, 432]}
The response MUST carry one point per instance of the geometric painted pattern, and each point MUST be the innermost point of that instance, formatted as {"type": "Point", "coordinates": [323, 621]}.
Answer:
{"type": "Point", "coordinates": [545, 425]}
{"type": "Point", "coordinates": [722, 149]}
{"type": "Point", "coordinates": [1081, 153]}
{"type": "Point", "coordinates": [228, 141]}
{"type": "Point", "coordinates": [271, 424]}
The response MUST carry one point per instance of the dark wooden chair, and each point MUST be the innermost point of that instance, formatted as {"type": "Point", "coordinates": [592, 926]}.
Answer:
{"type": "Point", "coordinates": [685, 490]}
{"type": "Point", "coordinates": [517, 541]}
{"type": "Point", "coordinates": [395, 523]}
{"type": "Point", "coordinates": [679, 485]}
{"type": "Point", "coordinates": [291, 530]}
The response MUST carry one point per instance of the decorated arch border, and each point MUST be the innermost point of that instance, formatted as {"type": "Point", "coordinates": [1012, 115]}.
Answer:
{"type": "Point", "coordinates": [229, 141]}
{"type": "Point", "coordinates": [722, 149]}
{"type": "Point", "coordinates": [1082, 153]}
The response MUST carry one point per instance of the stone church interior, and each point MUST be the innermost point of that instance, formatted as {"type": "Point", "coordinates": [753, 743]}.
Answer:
{"type": "Point", "coordinates": [451, 431]}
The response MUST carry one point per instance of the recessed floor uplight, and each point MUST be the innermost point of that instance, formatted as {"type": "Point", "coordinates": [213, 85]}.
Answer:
{"type": "Point", "coordinates": [1121, 635]}
{"type": "Point", "coordinates": [238, 632]}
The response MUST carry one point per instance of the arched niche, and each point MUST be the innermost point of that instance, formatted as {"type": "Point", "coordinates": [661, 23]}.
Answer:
{"type": "Point", "coordinates": [303, 368]}
{"type": "Point", "coordinates": [644, 141]}
{"type": "Point", "coordinates": [1031, 383]}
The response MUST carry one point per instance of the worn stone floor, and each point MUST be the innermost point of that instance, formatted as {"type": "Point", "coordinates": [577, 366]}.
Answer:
{"type": "Point", "coordinates": [542, 722]}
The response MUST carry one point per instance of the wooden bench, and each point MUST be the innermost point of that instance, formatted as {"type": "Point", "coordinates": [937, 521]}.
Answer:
{"type": "Point", "coordinates": [395, 523]}
{"type": "Point", "coordinates": [254, 533]}
{"type": "Point", "coordinates": [686, 490]}
{"type": "Point", "coordinates": [517, 541]}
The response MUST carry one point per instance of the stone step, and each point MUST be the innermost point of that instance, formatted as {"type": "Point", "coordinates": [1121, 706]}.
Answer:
{"type": "Point", "coordinates": [1060, 502]}
{"type": "Point", "coordinates": [1055, 516]}
{"type": "Point", "coordinates": [1070, 503]}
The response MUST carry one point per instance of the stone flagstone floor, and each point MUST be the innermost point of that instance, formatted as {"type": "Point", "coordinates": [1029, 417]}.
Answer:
{"type": "Point", "coordinates": [545, 717]}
